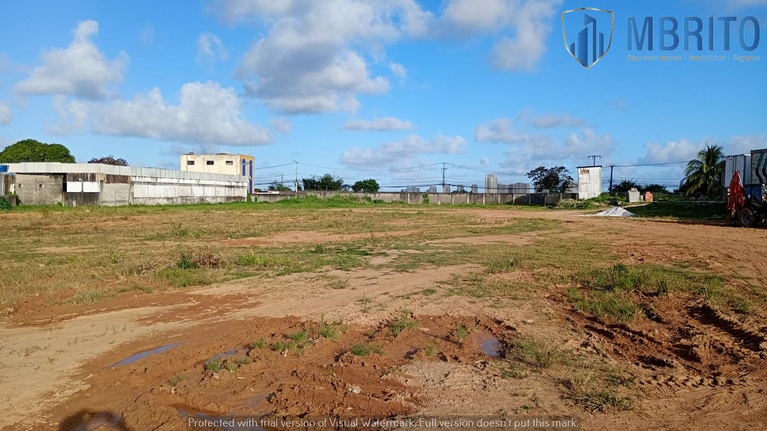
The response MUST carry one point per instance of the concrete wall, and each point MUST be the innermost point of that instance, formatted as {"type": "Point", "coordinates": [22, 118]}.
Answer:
{"type": "Point", "coordinates": [82, 184]}
{"type": "Point", "coordinates": [40, 189]}
{"type": "Point", "coordinates": [434, 198]}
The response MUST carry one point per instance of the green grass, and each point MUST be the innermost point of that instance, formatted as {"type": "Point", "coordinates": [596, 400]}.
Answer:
{"type": "Point", "coordinates": [178, 378]}
{"type": "Point", "coordinates": [258, 344]}
{"type": "Point", "coordinates": [402, 323]}
{"type": "Point", "coordinates": [365, 349]}
{"type": "Point", "coordinates": [214, 364]}
{"type": "Point", "coordinates": [461, 332]}
{"type": "Point", "coordinates": [533, 352]}
{"type": "Point", "coordinates": [615, 305]}
{"type": "Point", "coordinates": [88, 297]}
{"type": "Point", "coordinates": [683, 210]}
{"type": "Point", "coordinates": [602, 400]}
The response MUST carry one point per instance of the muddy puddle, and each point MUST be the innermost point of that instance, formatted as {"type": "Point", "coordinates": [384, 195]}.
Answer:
{"type": "Point", "coordinates": [141, 355]}
{"type": "Point", "coordinates": [353, 371]}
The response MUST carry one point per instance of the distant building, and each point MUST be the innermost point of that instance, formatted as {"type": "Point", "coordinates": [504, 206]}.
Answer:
{"type": "Point", "coordinates": [220, 163]}
{"type": "Point", "coordinates": [432, 189]}
{"type": "Point", "coordinates": [459, 188]}
{"type": "Point", "coordinates": [474, 188]}
{"type": "Point", "coordinates": [589, 182]}
{"type": "Point", "coordinates": [520, 188]}
{"type": "Point", "coordinates": [446, 188]}
{"type": "Point", "coordinates": [491, 184]}
{"type": "Point", "coordinates": [411, 189]}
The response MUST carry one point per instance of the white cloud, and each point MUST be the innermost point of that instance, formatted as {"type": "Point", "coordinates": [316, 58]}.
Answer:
{"type": "Point", "coordinates": [402, 153]}
{"type": "Point", "coordinates": [499, 130]}
{"type": "Point", "coordinates": [72, 115]}
{"type": "Point", "coordinates": [673, 151]}
{"type": "Point", "coordinates": [80, 70]}
{"type": "Point", "coordinates": [380, 124]}
{"type": "Point", "coordinates": [146, 36]}
{"type": "Point", "coordinates": [210, 49]}
{"type": "Point", "coordinates": [312, 57]}
{"type": "Point", "coordinates": [550, 121]}
{"type": "Point", "coordinates": [398, 70]}
{"type": "Point", "coordinates": [6, 117]}
{"type": "Point", "coordinates": [280, 125]}
{"type": "Point", "coordinates": [523, 24]}
{"type": "Point", "coordinates": [527, 150]}
{"type": "Point", "coordinates": [206, 114]}
{"type": "Point", "coordinates": [684, 150]}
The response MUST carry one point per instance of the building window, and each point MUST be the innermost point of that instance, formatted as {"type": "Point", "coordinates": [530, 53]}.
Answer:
{"type": "Point", "coordinates": [209, 162]}
{"type": "Point", "coordinates": [190, 162]}
{"type": "Point", "coordinates": [229, 162]}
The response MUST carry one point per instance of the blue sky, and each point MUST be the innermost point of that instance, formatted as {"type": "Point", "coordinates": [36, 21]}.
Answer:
{"type": "Point", "coordinates": [386, 89]}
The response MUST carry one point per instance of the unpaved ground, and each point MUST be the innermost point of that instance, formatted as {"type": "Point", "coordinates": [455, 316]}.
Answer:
{"type": "Point", "coordinates": [694, 367]}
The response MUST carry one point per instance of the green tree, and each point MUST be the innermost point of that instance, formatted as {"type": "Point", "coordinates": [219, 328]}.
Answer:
{"type": "Point", "coordinates": [556, 179]}
{"type": "Point", "coordinates": [109, 160]}
{"type": "Point", "coordinates": [624, 186]}
{"type": "Point", "coordinates": [30, 150]}
{"type": "Point", "coordinates": [275, 186]}
{"type": "Point", "coordinates": [325, 182]}
{"type": "Point", "coordinates": [367, 186]}
{"type": "Point", "coordinates": [702, 174]}
{"type": "Point", "coordinates": [655, 188]}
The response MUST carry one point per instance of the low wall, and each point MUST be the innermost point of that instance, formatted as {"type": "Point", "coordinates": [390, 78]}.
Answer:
{"type": "Point", "coordinates": [434, 198]}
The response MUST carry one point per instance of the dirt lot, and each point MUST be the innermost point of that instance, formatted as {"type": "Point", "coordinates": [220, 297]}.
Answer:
{"type": "Point", "coordinates": [147, 319]}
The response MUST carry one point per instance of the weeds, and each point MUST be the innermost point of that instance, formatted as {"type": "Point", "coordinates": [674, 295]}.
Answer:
{"type": "Point", "coordinates": [461, 333]}
{"type": "Point", "coordinates": [533, 352]}
{"type": "Point", "coordinates": [602, 400]}
{"type": "Point", "coordinates": [258, 344]}
{"type": "Point", "coordinates": [175, 380]}
{"type": "Point", "coordinates": [402, 323]}
{"type": "Point", "coordinates": [365, 349]}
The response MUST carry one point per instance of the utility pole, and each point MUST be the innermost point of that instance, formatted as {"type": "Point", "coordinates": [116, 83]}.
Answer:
{"type": "Point", "coordinates": [443, 176]}
{"type": "Point", "coordinates": [594, 159]}
{"type": "Point", "coordinates": [295, 193]}
{"type": "Point", "coordinates": [611, 179]}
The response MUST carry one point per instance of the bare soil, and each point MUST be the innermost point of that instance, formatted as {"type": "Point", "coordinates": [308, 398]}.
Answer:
{"type": "Point", "coordinates": [693, 367]}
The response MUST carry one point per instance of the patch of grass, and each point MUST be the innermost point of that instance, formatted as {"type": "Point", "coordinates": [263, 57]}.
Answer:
{"type": "Point", "coordinates": [242, 361]}
{"type": "Point", "coordinates": [500, 266]}
{"type": "Point", "coordinates": [145, 289]}
{"type": "Point", "coordinates": [299, 337]}
{"type": "Point", "coordinates": [186, 262]}
{"type": "Point", "coordinates": [87, 297]}
{"type": "Point", "coordinates": [402, 323]}
{"type": "Point", "coordinates": [280, 346]}
{"type": "Point", "coordinates": [178, 378]}
{"type": "Point", "coordinates": [461, 333]}
{"type": "Point", "coordinates": [178, 277]}
{"type": "Point", "coordinates": [258, 344]}
{"type": "Point", "coordinates": [533, 352]}
{"type": "Point", "coordinates": [428, 291]}
{"type": "Point", "coordinates": [214, 364]}
{"type": "Point", "coordinates": [602, 400]}
{"type": "Point", "coordinates": [683, 210]}
{"type": "Point", "coordinates": [365, 349]}
{"type": "Point", "coordinates": [615, 305]}
{"type": "Point", "coordinates": [431, 349]}
{"type": "Point", "coordinates": [330, 330]}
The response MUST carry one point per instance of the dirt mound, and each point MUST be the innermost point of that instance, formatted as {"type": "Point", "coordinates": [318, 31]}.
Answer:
{"type": "Point", "coordinates": [614, 212]}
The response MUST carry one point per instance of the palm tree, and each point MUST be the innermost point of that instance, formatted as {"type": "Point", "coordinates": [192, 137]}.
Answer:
{"type": "Point", "coordinates": [702, 174]}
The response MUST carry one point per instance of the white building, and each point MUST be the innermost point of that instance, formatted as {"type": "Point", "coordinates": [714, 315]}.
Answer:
{"type": "Point", "coordinates": [491, 184]}
{"type": "Point", "coordinates": [589, 182]}
{"type": "Point", "coordinates": [220, 163]}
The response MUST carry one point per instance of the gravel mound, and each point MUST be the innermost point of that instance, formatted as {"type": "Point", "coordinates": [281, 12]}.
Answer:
{"type": "Point", "coordinates": [615, 212]}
